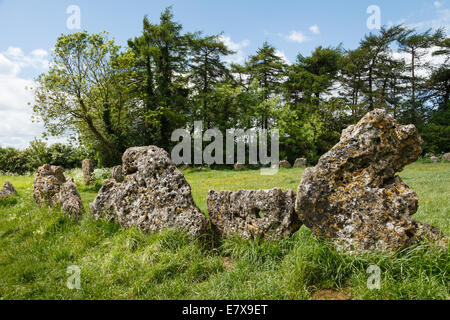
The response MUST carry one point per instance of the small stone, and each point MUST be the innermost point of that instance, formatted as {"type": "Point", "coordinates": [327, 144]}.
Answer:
{"type": "Point", "coordinates": [253, 213]}
{"type": "Point", "coordinates": [300, 163]}
{"type": "Point", "coordinates": [353, 197]}
{"type": "Point", "coordinates": [435, 159]}
{"type": "Point", "coordinates": [117, 173]}
{"type": "Point", "coordinates": [285, 164]}
{"type": "Point", "coordinates": [447, 157]}
{"type": "Point", "coordinates": [154, 196]}
{"type": "Point", "coordinates": [88, 170]}
{"type": "Point", "coordinates": [7, 191]}
{"type": "Point", "coordinates": [239, 166]}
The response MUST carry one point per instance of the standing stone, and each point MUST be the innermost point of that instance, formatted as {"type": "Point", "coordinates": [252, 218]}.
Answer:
{"type": "Point", "coordinates": [447, 157]}
{"type": "Point", "coordinates": [353, 197]}
{"type": "Point", "coordinates": [88, 170]}
{"type": "Point", "coordinates": [70, 199]}
{"type": "Point", "coordinates": [117, 173]}
{"type": "Point", "coordinates": [253, 214]}
{"type": "Point", "coordinates": [239, 166]}
{"type": "Point", "coordinates": [7, 191]}
{"type": "Point", "coordinates": [47, 184]}
{"type": "Point", "coordinates": [285, 164]}
{"type": "Point", "coordinates": [300, 163]}
{"type": "Point", "coordinates": [154, 196]}
{"type": "Point", "coordinates": [435, 159]}
{"type": "Point", "coordinates": [52, 188]}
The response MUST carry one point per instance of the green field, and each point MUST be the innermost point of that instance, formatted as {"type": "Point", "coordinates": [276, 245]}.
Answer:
{"type": "Point", "coordinates": [39, 244]}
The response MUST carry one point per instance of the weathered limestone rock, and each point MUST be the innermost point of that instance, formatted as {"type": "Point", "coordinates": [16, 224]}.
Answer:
{"type": "Point", "coordinates": [88, 170]}
{"type": "Point", "coordinates": [435, 159]}
{"type": "Point", "coordinates": [447, 157]}
{"type": "Point", "coordinates": [70, 199]}
{"type": "Point", "coordinates": [47, 184]}
{"type": "Point", "coordinates": [154, 196]}
{"type": "Point", "coordinates": [301, 162]}
{"type": "Point", "coordinates": [52, 188]}
{"type": "Point", "coordinates": [285, 164]}
{"type": "Point", "coordinates": [353, 198]}
{"type": "Point", "coordinates": [7, 191]}
{"type": "Point", "coordinates": [253, 214]}
{"type": "Point", "coordinates": [239, 166]}
{"type": "Point", "coordinates": [117, 173]}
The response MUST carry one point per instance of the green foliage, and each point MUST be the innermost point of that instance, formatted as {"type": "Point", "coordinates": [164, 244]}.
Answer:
{"type": "Point", "coordinates": [167, 79]}
{"type": "Point", "coordinates": [38, 153]}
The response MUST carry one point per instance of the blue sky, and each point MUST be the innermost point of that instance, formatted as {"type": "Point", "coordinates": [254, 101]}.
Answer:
{"type": "Point", "coordinates": [28, 30]}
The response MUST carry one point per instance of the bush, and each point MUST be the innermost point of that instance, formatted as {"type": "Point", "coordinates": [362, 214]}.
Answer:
{"type": "Point", "coordinates": [15, 161]}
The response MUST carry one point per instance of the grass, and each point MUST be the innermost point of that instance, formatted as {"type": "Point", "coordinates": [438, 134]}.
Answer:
{"type": "Point", "coordinates": [39, 244]}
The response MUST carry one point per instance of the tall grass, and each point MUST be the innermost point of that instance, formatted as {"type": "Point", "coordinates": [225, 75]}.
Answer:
{"type": "Point", "coordinates": [38, 244]}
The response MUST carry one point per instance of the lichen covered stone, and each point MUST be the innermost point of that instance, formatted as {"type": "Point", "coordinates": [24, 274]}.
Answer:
{"type": "Point", "coordinates": [154, 195]}
{"type": "Point", "coordinates": [7, 190]}
{"type": "Point", "coordinates": [117, 174]}
{"type": "Point", "coordinates": [353, 197]}
{"type": "Point", "coordinates": [47, 184]}
{"type": "Point", "coordinates": [253, 213]}
{"type": "Point", "coordinates": [88, 170]}
{"type": "Point", "coordinates": [300, 162]}
{"type": "Point", "coordinates": [285, 164]}
{"type": "Point", "coordinates": [51, 187]}
{"type": "Point", "coordinates": [70, 199]}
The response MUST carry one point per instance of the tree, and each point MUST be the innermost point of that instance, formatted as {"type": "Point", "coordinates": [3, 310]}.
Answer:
{"type": "Point", "coordinates": [415, 45]}
{"type": "Point", "coordinates": [84, 92]}
{"type": "Point", "coordinates": [376, 49]}
{"type": "Point", "coordinates": [207, 70]}
{"type": "Point", "coordinates": [162, 63]}
{"type": "Point", "coordinates": [267, 69]}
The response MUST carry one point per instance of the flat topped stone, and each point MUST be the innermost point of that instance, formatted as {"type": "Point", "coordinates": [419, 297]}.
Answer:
{"type": "Point", "coordinates": [353, 198]}
{"type": "Point", "coordinates": [154, 195]}
{"type": "Point", "coordinates": [253, 213]}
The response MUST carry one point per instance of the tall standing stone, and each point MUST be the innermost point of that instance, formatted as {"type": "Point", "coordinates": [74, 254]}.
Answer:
{"type": "Point", "coordinates": [154, 196]}
{"type": "Point", "coordinates": [88, 170]}
{"type": "Point", "coordinates": [353, 197]}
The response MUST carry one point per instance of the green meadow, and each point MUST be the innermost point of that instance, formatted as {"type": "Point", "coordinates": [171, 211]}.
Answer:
{"type": "Point", "coordinates": [38, 244]}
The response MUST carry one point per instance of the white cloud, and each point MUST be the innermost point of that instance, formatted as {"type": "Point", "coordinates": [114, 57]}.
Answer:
{"type": "Point", "coordinates": [437, 4]}
{"type": "Point", "coordinates": [239, 56]}
{"type": "Point", "coordinates": [314, 29]}
{"type": "Point", "coordinates": [17, 129]}
{"type": "Point", "coordinates": [427, 59]}
{"type": "Point", "coordinates": [441, 21]}
{"type": "Point", "coordinates": [282, 55]}
{"type": "Point", "coordinates": [296, 36]}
